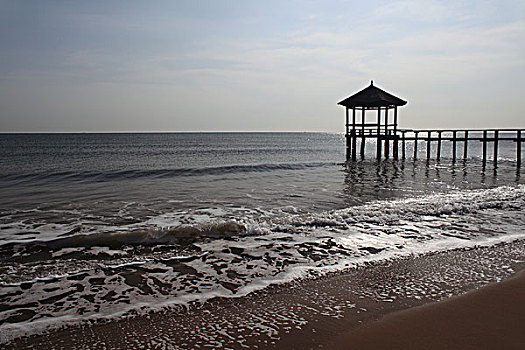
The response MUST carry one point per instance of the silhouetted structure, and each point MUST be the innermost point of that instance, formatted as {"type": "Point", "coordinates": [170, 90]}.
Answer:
{"type": "Point", "coordinates": [373, 98]}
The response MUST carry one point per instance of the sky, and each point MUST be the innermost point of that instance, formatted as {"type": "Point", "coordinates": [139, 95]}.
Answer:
{"type": "Point", "coordinates": [107, 65]}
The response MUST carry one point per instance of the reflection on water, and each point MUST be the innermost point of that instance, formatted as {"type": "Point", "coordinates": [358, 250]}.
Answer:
{"type": "Point", "coordinates": [370, 180]}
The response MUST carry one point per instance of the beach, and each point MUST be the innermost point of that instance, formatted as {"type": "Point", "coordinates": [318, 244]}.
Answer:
{"type": "Point", "coordinates": [341, 310]}
{"type": "Point", "coordinates": [492, 317]}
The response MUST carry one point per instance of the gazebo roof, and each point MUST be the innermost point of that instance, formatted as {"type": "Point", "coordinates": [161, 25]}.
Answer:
{"type": "Point", "coordinates": [372, 96]}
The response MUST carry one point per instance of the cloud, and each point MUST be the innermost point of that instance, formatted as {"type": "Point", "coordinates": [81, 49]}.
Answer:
{"type": "Point", "coordinates": [280, 68]}
{"type": "Point", "coordinates": [414, 10]}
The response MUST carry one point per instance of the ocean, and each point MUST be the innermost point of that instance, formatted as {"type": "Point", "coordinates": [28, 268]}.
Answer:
{"type": "Point", "coordinates": [102, 226]}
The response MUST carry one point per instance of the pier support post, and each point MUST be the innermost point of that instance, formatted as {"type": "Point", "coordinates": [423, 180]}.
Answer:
{"type": "Point", "coordinates": [347, 135]}
{"type": "Point", "coordinates": [378, 142]}
{"type": "Point", "coordinates": [363, 139]}
{"type": "Point", "coordinates": [348, 144]}
{"type": "Point", "coordinates": [454, 140]}
{"type": "Point", "coordinates": [496, 141]}
{"type": "Point", "coordinates": [416, 133]}
{"type": "Point", "coordinates": [395, 145]}
{"type": "Point", "coordinates": [465, 146]}
{"type": "Point", "coordinates": [518, 149]}
{"type": "Point", "coordinates": [484, 141]}
{"type": "Point", "coordinates": [354, 137]}
{"type": "Point", "coordinates": [387, 145]}
{"type": "Point", "coordinates": [438, 151]}
{"type": "Point", "coordinates": [403, 145]}
{"type": "Point", "coordinates": [347, 124]}
{"type": "Point", "coordinates": [429, 133]}
{"type": "Point", "coordinates": [354, 146]}
{"type": "Point", "coordinates": [378, 153]}
{"type": "Point", "coordinates": [396, 138]}
{"type": "Point", "coordinates": [363, 144]}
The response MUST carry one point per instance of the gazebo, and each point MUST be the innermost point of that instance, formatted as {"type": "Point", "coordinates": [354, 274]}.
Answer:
{"type": "Point", "coordinates": [371, 98]}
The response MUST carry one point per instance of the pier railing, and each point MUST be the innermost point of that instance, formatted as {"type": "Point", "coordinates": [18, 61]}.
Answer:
{"type": "Point", "coordinates": [398, 138]}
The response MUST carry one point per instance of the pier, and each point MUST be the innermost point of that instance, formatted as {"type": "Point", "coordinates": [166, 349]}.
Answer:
{"type": "Point", "coordinates": [391, 141]}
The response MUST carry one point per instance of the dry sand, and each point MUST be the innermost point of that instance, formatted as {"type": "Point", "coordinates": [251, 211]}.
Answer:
{"type": "Point", "coordinates": [492, 317]}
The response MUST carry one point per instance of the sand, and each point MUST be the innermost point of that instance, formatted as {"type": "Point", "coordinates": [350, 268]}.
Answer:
{"type": "Point", "coordinates": [319, 313]}
{"type": "Point", "coordinates": [492, 317]}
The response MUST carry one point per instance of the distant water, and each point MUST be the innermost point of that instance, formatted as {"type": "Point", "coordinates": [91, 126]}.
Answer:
{"type": "Point", "coordinates": [103, 225]}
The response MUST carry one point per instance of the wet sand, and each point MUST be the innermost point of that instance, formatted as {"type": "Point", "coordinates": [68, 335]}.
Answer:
{"type": "Point", "coordinates": [305, 314]}
{"type": "Point", "coordinates": [492, 317]}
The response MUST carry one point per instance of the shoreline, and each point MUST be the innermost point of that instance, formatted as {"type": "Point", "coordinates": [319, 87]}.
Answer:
{"type": "Point", "coordinates": [302, 314]}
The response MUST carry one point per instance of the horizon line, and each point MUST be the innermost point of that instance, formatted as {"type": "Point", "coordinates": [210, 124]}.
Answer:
{"type": "Point", "coordinates": [168, 132]}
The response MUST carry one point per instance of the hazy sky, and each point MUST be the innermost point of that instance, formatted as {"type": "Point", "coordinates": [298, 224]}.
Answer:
{"type": "Point", "coordinates": [256, 65]}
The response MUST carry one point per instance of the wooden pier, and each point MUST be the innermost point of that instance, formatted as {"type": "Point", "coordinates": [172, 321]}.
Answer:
{"type": "Point", "coordinates": [387, 136]}
{"type": "Point", "coordinates": [402, 137]}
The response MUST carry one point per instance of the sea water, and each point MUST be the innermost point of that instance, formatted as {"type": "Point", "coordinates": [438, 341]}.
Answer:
{"type": "Point", "coordinates": [98, 226]}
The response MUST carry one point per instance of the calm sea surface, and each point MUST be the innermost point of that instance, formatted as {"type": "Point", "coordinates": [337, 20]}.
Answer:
{"type": "Point", "coordinates": [103, 225]}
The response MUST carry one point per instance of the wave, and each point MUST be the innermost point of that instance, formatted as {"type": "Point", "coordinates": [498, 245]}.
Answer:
{"type": "Point", "coordinates": [100, 176]}
{"type": "Point", "coordinates": [183, 236]}
{"type": "Point", "coordinates": [177, 235]}
{"type": "Point", "coordinates": [458, 202]}
{"type": "Point", "coordinates": [166, 229]}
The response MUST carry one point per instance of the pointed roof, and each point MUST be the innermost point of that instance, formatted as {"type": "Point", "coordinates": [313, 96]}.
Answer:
{"type": "Point", "coordinates": [372, 96]}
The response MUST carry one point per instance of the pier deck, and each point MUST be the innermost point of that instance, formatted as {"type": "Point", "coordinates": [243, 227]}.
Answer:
{"type": "Point", "coordinates": [397, 140]}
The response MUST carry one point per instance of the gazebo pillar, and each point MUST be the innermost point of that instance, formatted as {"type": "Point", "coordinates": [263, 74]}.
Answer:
{"type": "Point", "coordinates": [347, 136]}
{"type": "Point", "coordinates": [396, 139]}
{"type": "Point", "coordinates": [354, 136]}
{"type": "Point", "coordinates": [363, 139]}
{"type": "Point", "coordinates": [347, 124]}
{"type": "Point", "coordinates": [378, 134]}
